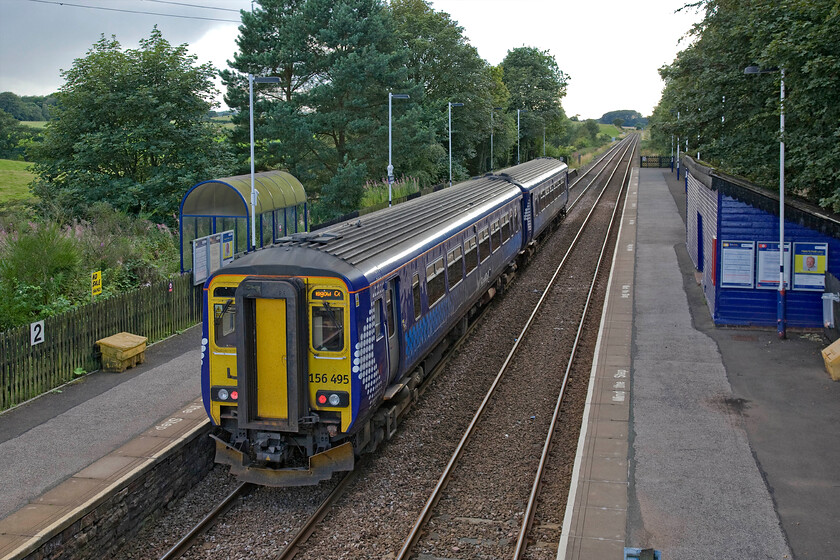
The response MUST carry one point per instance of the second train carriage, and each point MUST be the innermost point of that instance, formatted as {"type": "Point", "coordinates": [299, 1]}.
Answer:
{"type": "Point", "coordinates": [305, 340]}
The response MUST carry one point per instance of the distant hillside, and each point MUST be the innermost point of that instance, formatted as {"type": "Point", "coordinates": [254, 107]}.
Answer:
{"type": "Point", "coordinates": [627, 116]}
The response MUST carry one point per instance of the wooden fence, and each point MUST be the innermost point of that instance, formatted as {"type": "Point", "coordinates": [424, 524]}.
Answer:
{"type": "Point", "coordinates": [69, 339]}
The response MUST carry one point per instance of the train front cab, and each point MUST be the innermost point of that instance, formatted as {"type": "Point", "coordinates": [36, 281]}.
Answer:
{"type": "Point", "coordinates": [279, 376]}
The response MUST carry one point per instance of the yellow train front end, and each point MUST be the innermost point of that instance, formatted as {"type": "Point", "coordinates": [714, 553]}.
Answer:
{"type": "Point", "coordinates": [276, 376]}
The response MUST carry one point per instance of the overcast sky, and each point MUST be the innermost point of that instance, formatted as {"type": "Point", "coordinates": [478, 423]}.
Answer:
{"type": "Point", "coordinates": [610, 48]}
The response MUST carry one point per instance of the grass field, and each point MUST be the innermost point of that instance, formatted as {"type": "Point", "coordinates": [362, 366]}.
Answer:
{"type": "Point", "coordinates": [14, 180]}
{"type": "Point", "coordinates": [34, 124]}
{"type": "Point", "coordinates": [610, 130]}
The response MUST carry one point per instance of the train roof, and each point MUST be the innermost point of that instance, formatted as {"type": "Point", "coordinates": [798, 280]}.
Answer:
{"type": "Point", "coordinates": [531, 173]}
{"type": "Point", "coordinates": [376, 243]}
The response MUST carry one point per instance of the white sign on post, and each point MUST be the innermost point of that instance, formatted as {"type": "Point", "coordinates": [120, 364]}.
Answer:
{"type": "Point", "coordinates": [36, 333]}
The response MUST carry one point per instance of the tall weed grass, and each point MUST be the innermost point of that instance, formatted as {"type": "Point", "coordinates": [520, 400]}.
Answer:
{"type": "Point", "coordinates": [45, 266]}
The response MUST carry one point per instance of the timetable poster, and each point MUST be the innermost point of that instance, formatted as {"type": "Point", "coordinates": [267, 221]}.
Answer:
{"type": "Point", "coordinates": [810, 261]}
{"type": "Point", "coordinates": [200, 268]}
{"type": "Point", "coordinates": [737, 264]}
{"type": "Point", "coordinates": [215, 252]}
{"type": "Point", "coordinates": [767, 275]}
{"type": "Point", "coordinates": [227, 247]}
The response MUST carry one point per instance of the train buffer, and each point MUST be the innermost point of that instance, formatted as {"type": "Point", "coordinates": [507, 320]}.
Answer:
{"type": "Point", "coordinates": [122, 350]}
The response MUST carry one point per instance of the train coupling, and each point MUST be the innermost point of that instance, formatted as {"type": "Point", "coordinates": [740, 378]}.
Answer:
{"type": "Point", "coordinates": [321, 466]}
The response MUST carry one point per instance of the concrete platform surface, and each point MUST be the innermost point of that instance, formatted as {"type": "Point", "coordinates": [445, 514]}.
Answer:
{"type": "Point", "coordinates": [695, 488]}
{"type": "Point", "coordinates": [60, 434]}
{"type": "Point", "coordinates": [732, 440]}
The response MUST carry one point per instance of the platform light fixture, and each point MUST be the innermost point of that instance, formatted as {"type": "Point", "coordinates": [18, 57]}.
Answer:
{"type": "Point", "coordinates": [251, 80]}
{"type": "Point", "coordinates": [450, 138]}
{"type": "Point", "coordinates": [390, 165]}
{"type": "Point", "coordinates": [492, 109]}
{"type": "Point", "coordinates": [518, 112]}
{"type": "Point", "coordinates": [780, 302]}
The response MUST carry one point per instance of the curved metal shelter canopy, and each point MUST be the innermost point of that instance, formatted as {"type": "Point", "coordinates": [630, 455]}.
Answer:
{"type": "Point", "coordinates": [219, 205]}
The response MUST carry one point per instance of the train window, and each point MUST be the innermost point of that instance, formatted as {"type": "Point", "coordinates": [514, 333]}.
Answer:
{"type": "Point", "coordinates": [471, 254]}
{"type": "Point", "coordinates": [327, 328]}
{"type": "Point", "coordinates": [435, 281]}
{"type": "Point", "coordinates": [484, 244]}
{"type": "Point", "coordinates": [224, 323]}
{"type": "Point", "coordinates": [225, 291]}
{"type": "Point", "coordinates": [377, 321]}
{"type": "Point", "coordinates": [455, 269]}
{"type": "Point", "coordinates": [515, 219]}
{"type": "Point", "coordinates": [391, 316]}
{"type": "Point", "coordinates": [496, 234]}
{"type": "Point", "coordinates": [415, 290]}
{"type": "Point", "coordinates": [505, 228]}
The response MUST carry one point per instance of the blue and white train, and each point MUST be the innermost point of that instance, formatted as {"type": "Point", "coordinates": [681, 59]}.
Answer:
{"type": "Point", "coordinates": [313, 347]}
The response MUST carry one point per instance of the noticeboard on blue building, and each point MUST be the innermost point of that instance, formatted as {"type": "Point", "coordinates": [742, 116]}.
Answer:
{"type": "Point", "coordinates": [732, 236]}
{"type": "Point", "coordinates": [809, 266]}
{"type": "Point", "coordinates": [736, 264]}
{"type": "Point", "coordinates": [767, 265]}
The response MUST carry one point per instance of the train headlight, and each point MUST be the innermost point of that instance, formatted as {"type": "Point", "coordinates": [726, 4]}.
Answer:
{"type": "Point", "coordinates": [224, 394]}
{"type": "Point", "coordinates": [332, 398]}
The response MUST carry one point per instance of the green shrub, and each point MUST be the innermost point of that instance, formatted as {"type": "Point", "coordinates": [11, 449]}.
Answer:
{"type": "Point", "coordinates": [45, 268]}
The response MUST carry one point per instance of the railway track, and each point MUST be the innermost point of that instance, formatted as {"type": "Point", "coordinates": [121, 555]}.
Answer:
{"type": "Point", "coordinates": [456, 487]}
{"type": "Point", "coordinates": [294, 536]}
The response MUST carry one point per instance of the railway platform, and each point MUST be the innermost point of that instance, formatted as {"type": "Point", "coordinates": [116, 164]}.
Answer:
{"type": "Point", "coordinates": [698, 441]}
{"type": "Point", "coordinates": [65, 451]}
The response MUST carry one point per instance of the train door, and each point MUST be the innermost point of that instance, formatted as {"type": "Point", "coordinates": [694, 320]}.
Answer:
{"type": "Point", "coordinates": [392, 312]}
{"type": "Point", "coordinates": [272, 362]}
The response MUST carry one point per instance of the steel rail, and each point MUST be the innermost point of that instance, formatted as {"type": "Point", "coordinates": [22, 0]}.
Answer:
{"type": "Point", "coordinates": [414, 534]}
{"type": "Point", "coordinates": [311, 524]}
{"type": "Point", "coordinates": [528, 518]}
{"type": "Point", "coordinates": [612, 153]}
{"type": "Point", "coordinates": [187, 541]}
{"type": "Point", "coordinates": [309, 527]}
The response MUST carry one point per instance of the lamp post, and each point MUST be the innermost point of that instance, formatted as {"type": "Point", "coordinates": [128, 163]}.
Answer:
{"type": "Point", "coordinates": [450, 138]}
{"type": "Point", "coordinates": [678, 147]}
{"type": "Point", "coordinates": [518, 111]}
{"type": "Point", "coordinates": [491, 135]}
{"type": "Point", "coordinates": [390, 169]}
{"type": "Point", "coordinates": [251, 80]}
{"type": "Point", "coordinates": [780, 305]}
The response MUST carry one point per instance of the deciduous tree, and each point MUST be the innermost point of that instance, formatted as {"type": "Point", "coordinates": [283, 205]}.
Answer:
{"type": "Point", "coordinates": [131, 129]}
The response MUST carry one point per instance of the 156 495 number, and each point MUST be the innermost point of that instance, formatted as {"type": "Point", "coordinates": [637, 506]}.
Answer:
{"type": "Point", "coordinates": [336, 378]}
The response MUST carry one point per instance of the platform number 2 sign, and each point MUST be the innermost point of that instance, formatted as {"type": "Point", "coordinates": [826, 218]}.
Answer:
{"type": "Point", "coordinates": [36, 333]}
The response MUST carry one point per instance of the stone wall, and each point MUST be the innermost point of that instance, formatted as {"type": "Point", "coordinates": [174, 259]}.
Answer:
{"type": "Point", "coordinates": [102, 531]}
